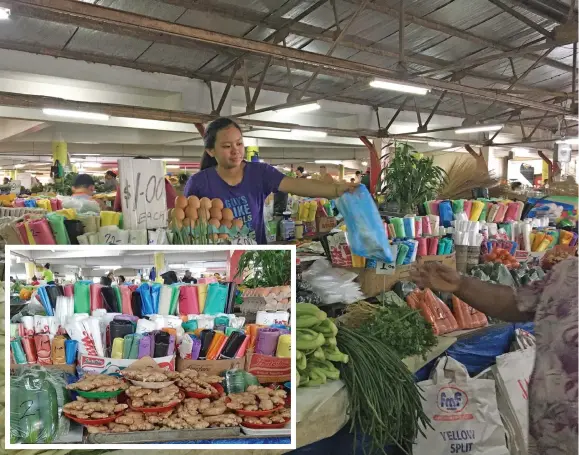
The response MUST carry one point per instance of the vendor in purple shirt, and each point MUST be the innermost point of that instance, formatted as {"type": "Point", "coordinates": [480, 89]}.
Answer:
{"type": "Point", "coordinates": [243, 186]}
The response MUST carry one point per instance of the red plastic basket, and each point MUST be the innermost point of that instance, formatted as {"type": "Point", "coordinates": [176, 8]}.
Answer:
{"type": "Point", "coordinates": [241, 412]}
{"type": "Point", "coordinates": [263, 426]}
{"type": "Point", "coordinates": [220, 392]}
{"type": "Point", "coordinates": [94, 422]}
{"type": "Point", "coordinates": [158, 408]}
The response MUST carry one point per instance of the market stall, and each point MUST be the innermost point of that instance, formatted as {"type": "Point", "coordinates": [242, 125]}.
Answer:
{"type": "Point", "coordinates": [389, 338]}
{"type": "Point", "coordinates": [153, 360]}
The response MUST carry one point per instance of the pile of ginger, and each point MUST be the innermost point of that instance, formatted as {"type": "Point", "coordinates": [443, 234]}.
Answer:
{"type": "Point", "coordinates": [98, 383]}
{"type": "Point", "coordinates": [153, 398]}
{"type": "Point", "coordinates": [192, 413]}
{"type": "Point", "coordinates": [84, 408]}
{"type": "Point", "coordinates": [150, 374]}
{"type": "Point", "coordinates": [193, 381]}
{"type": "Point", "coordinates": [257, 398]}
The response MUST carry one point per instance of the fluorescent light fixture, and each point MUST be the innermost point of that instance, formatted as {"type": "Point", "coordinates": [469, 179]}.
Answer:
{"type": "Point", "coordinates": [169, 160]}
{"type": "Point", "coordinates": [300, 109]}
{"type": "Point", "coordinates": [310, 133]}
{"type": "Point", "coordinates": [269, 128]}
{"type": "Point", "coordinates": [440, 144]}
{"type": "Point", "coordinates": [4, 13]}
{"type": "Point", "coordinates": [397, 87]}
{"type": "Point", "coordinates": [92, 165]}
{"type": "Point", "coordinates": [414, 141]}
{"type": "Point", "coordinates": [570, 141]}
{"type": "Point", "coordinates": [478, 129]}
{"type": "Point", "coordinates": [364, 163]}
{"type": "Point", "coordinates": [75, 114]}
{"type": "Point", "coordinates": [19, 166]}
{"type": "Point", "coordinates": [520, 150]}
{"type": "Point", "coordinates": [574, 118]}
{"type": "Point", "coordinates": [173, 166]}
{"type": "Point", "coordinates": [452, 149]}
{"type": "Point", "coordinates": [336, 162]}
{"type": "Point", "coordinates": [86, 154]}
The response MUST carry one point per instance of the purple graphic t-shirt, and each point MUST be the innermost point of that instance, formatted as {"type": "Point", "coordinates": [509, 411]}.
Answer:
{"type": "Point", "coordinates": [246, 199]}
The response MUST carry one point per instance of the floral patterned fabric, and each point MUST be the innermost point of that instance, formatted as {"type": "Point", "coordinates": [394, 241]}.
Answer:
{"type": "Point", "coordinates": [553, 387]}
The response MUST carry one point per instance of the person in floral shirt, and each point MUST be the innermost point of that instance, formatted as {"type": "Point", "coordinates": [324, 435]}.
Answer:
{"type": "Point", "coordinates": [552, 304]}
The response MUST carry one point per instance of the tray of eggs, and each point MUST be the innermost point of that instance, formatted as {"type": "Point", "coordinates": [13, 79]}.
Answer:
{"type": "Point", "coordinates": [195, 212]}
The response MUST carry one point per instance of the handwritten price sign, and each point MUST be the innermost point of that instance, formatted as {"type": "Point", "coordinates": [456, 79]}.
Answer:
{"type": "Point", "coordinates": [143, 196]}
{"type": "Point", "coordinates": [385, 269]}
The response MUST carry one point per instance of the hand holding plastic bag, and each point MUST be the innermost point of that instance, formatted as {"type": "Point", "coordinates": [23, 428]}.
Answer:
{"type": "Point", "coordinates": [366, 233]}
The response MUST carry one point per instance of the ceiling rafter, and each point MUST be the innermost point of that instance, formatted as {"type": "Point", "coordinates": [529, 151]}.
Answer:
{"type": "Point", "coordinates": [148, 28]}
{"type": "Point", "coordinates": [240, 13]}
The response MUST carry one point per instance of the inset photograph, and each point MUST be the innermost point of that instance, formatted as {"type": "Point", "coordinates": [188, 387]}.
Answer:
{"type": "Point", "coordinates": [189, 348]}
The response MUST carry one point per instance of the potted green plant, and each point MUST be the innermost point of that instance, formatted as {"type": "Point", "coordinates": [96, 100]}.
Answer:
{"type": "Point", "coordinates": [409, 179]}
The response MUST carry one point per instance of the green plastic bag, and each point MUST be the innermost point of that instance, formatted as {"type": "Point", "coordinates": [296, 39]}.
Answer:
{"type": "Point", "coordinates": [174, 300]}
{"type": "Point", "coordinates": [82, 297]}
{"type": "Point", "coordinates": [216, 298]}
{"type": "Point", "coordinates": [34, 407]}
{"type": "Point", "coordinates": [117, 292]}
{"type": "Point", "coordinates": [56, 222]}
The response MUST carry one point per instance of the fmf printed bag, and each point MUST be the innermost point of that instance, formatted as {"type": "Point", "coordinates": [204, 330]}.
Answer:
{"type": "Point", "coordinates": [463, 413]}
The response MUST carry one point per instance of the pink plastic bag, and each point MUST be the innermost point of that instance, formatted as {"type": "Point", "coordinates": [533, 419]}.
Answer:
{"type": "Point", "coordinates": [41, 232]}
{"type": "Point", "coordinates": [96, 299]}
{"type": "Point", "coordinates": [188, 300]}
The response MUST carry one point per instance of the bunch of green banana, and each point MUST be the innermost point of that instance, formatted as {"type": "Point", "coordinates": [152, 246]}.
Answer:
{"type": "Point", "coordinates": [316, 346]}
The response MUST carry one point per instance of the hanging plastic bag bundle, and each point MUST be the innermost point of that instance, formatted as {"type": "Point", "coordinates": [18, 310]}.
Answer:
{"type": "Point", "coordinates": [366, 232]}
{"type": "Point", "coordinates": [216, 299]}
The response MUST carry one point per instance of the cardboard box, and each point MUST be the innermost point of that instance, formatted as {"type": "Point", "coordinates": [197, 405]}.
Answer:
{"type": "Point", "coordinates": [268, 369]}
{"type": "Point", "coordinates": [107, 365]}
{"type": "Point", "coordinates": [326, 223]}
{"type": "Point", "coordinates": [210, 367]}
{"type": "Point", "coordinates": [384, 276]}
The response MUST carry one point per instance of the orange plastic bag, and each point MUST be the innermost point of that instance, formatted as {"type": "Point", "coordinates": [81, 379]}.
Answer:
{"type": "Point", "coordinates": [413, 299]}
{"type": "Point", "coordinates": [466, 316]}
{"type": "Point", "coordinates": [437, 313]}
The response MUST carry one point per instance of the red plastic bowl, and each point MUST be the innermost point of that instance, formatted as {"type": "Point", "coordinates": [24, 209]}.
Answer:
{"type": "Point", "coordinates": [220, 393]}
{"type": "Point", "coordinates": [94, 422]}
{"type": "Point", "coordinates": [158, 408]}
{"type": "Point", "coordinates": [241, 412]}
{"type": "Point", "coordinates": [263, 426]}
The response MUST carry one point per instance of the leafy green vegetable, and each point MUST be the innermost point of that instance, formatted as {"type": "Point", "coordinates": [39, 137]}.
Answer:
{"type": "Point", "coordinates": [402, 329]}
{"type": "Point", "coordinates": [265, 268]}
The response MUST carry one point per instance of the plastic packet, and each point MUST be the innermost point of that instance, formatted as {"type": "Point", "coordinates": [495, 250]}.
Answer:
{"type": "Point", "coordinates": [366, 232]}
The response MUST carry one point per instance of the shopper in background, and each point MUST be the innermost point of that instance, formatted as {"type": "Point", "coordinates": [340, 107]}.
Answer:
{"type": "Point", "coordinates": [170, 192]}
{"type": "Point", "coordinates": [188, 278]}
{"type": "Point", "coordinates": [6, 180]}
{"type": "Point", "coordinates": [108, 279]}
{"type": "Point", "coordinates": [552, 304]}
{"type": "Point", "coordinates": [110, 181]}
{"type": "Point", "coordinates": [358, 176]}
{"type": "Point", "coordinates": [324, 176]}
{"type": "Point", "coordinates": [121, 280]}
{"type": "Point", "coordinates": [35, 281]}
{"type": "Point", "coordinates": [47, 274]}
{"type": "Point", "coordinates": [301, 173]}
{"type": "Point", "coordinates": [243, 186]}
{"type": "Point", "coordinates": [83, 188]}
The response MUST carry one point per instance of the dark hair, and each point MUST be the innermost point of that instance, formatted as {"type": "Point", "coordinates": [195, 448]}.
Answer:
{"type": "Point", "coordinates": [352, 180]}
{"type": "Point", "coordinates": [358, 172]}
{"type": "Point", "coordinates": [301, 169]}
{"type": "Point", "coordinates": [34, 278]}
{"type": "Point", "coordinates": [112, 174]}
{"type": "Point", "coordinates": [210, 136]}
{"type": "Point", "coordinates": [47, 265]}
{"type": "Point", "coordinates": [122, 278]}
{"type": "Point", "coordinates": [83, 181]}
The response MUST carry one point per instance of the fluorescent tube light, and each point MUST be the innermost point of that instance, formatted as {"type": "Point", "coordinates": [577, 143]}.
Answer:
{"type": "Point", "coordinates": [300, 109]}
{"type": "Point", "coordinates": [4, 13]}
{"type": "Point", "coordinates": [86, 154]}
{"type": "Point", "coordinates": [173, 166]}
{"type": "Point", "coordinates": [310, 133]}
{"type": "Point", "coordinates": [19, 166]}
{"type": "Point", "coordinates": [364, 163]}
{"type": "Point", "coordinates": [440, 144]}
{"type": "Point", "coordinates": [478, 129]}
{"type": "Point", "coordinates": [337, 163]}
{"type": "Point", "coordinates": [519, 150]}
{"type": "Point", "coordinates": [397, 87]}
{"type": "Point", "coordinates": [95, 165]}
{"type": "Point", "coordinates": [75, 114]}
{"type": "Point", "coordinates": [167, 159]}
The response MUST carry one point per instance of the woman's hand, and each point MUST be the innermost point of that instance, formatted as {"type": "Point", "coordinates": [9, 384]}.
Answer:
{"type": "Point", "coordinates": [437, 277]}
{"type": "Point", "coordinates": [342, 188]}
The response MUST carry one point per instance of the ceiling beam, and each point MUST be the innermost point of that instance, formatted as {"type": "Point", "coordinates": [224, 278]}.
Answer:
{"type": "Point", "coordinates": [553, 10]}
{"type": "Point", "coordinates": [457, 32]}
{"type": "Point", "coordinates": [148, 28]}
{"type": "Point", "coordinates": [240, 13]}
{"type": "Point", "coordinates": [526, 20]}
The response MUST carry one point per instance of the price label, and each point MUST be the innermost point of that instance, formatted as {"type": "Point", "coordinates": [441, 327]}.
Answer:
{"type": "Point", "coordinates": [15, 186]}
{"type": "Point", "coordinates": [143, 196]}
{"type": "Point", "coordinates": [382, 268]}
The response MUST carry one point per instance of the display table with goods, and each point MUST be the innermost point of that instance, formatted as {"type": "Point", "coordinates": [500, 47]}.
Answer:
{"type": "Point", "coordinates": [373, 354]}
{"type": "Point", "coordinates": [152, 363]}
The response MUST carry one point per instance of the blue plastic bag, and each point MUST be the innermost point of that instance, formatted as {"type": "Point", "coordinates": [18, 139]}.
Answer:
{"type": "Point", "coordinates": [366, 232]}
{"type": "Point", "coordinates": [147, 306]}
{"type": "Point", "coordinates": [445, 213]}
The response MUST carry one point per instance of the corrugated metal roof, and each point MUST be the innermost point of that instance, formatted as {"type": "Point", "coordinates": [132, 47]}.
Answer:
{"type": "Point", "coordinates": [481, 18]}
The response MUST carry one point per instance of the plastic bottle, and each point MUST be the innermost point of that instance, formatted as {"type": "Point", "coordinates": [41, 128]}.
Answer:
{"type": "Point", "coordinates": [287, 228]}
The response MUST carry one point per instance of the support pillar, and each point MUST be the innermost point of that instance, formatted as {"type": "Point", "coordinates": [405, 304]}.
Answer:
{"type": "Point", "coordinates": [233, 266]}
{"type": "Point", "coordinates": [374, 163]}
{"type": "Point", "coordinates": [60, 152]}
{"type": "Point", "coordinates": [341, 173]}
{"type": "Point", "coordinates": [30, 269]}
{"type": "Point", "coordinates": [160, 266]}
